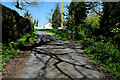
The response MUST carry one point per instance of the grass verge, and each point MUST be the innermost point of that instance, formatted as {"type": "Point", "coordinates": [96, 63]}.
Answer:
{"type": "Point", "coordinates": [61, 34]}
{"type": "Point", "coordinates": [106, 55]}
{"type": "Point", "coordinates": [11, 50]}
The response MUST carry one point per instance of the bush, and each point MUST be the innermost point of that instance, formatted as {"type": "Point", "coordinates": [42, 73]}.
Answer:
{"type": "Point", "coordinates": [81, 33]}
{"type": "Point", "coordinates": [64, 39]}
{"type": "Point", "coordinates": [89, 42]}
{"type": "Point", "coordinates": [105, 53]}
{"type": "Point", "coordinates": [14, 26]}
{"type": "Point", "coordinates": [116, 40]}
{"type": "Point", "coordinates": [8, 51]}
{"type": "Point", "coordinates": [92, 24]}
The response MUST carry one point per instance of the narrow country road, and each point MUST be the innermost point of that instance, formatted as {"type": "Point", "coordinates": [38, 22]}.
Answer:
{"type": "Point", "coordinates": [53, 58]}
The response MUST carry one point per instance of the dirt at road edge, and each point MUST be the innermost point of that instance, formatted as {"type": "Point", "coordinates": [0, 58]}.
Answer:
{"type": "Point", "coordinates": [14, 67]}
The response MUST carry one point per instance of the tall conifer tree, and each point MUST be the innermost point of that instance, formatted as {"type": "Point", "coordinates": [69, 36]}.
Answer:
{"type": "Point", "coordinates": [56, 18]}
{"type": "Point", "coordinates": [76, 16]}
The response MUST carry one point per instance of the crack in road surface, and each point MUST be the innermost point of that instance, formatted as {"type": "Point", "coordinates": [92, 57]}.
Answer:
{"type": "Point", "coordinates": [53, 58]}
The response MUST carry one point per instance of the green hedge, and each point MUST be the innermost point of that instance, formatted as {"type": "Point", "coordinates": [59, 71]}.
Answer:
{"type": "Point", "coordinates": [14, 26]}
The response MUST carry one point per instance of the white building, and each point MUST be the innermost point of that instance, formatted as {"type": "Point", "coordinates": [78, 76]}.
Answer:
{"type": "Point", "coordinates": [48, 26]}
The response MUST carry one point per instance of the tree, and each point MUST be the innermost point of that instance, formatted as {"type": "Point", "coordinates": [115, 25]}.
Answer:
{"type": "Point", "coordinates": [64, 23]}
{"type": "Point", "coordinates": [110, 18]}
{"type": "Point", "coordinates": [22, 5]}
{"type": "Point", "coordinates": [56, 18]}
{"type": "Point", "coordinates": [95, 7]}
{"type": "Point", "coordinates": [35, 22]}
{"type": "Point", "coordinates": [76, 16]}
{"type": "Point", "coordinates": [92, 24]}
{"type": "Point", "coordinates": [27, 14]}
{"type": "Point", "coordinates": [110, 22]}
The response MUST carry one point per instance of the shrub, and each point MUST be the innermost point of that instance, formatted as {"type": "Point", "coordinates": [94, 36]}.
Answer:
{"type": "Point", "coordinates": [7, 53]}
{"type": "Point", "coordinates": [64, 39]}
{"type": "Point", "coordinates": [13, 48]}
{"type": "Point", "coordinates": [14, 26]}
{"type": "Point", "coordinates": [89, 42]}
{"type": "Point", "coordinates": [116, 40]}
{"type": "Point", "coordinates": [105, 53]}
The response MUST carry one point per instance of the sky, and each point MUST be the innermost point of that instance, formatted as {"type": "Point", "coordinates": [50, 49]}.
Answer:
{"type": "Point", "coordinates": [39, 12]}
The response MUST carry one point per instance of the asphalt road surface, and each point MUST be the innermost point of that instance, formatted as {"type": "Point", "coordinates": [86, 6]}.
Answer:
{"type": "Point", "coordinates": [53, 58]}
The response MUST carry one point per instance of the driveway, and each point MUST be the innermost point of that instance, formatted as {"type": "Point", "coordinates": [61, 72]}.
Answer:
{"type": "Point", "coordinates": [53, 58]}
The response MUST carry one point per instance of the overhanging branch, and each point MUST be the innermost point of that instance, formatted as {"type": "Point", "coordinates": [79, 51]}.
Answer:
{"type": "Point", "coordinates": [17, 5]}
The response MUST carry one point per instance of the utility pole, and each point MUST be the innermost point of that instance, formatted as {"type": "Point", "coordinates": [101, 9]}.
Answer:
{"type": "Point", "coordinates": [62, 16]}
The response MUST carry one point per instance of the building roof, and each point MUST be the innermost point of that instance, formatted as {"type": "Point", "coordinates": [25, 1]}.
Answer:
{"type": "Point", "coordinates": [47, 23]}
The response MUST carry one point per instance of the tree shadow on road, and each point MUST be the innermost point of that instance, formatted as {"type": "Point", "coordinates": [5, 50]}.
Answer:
{"type": "Point", "coordinates": [59, 60]}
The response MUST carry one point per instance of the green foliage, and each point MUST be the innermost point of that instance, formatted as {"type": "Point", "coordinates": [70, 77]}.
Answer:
{"type": "Point", "coordinates": [64, 39]}
{"type": "Point", "coordinates": [15, 30]}
{"type": "Point", "coordinates": [89, 42]}
{"type": "Point", "coordinates": [103, 38]}
{"type": "Point", "coordinates": [116, 40]}
{"type": "Point", "coordinates": [77, 10]}
{"type": "Point", "coordinates": [110, 20]}
{"type": "Point", "coordinates": [27, 14]}
{"type": "Point", "coordinates": [14, 26]}
{"type": "Point", "coordinates": [76, 15]}
{"type": "Point", "coordinates": [35, 35]}
{"type": "Point", "coordinates": [101, 34]}
{"type": "Point", "coordinates": [59, 33]}
{"type": "Point", "coordinates": [35, 22]}
{"type": "Point", "coordinates": [56, 18]}
{"type": "Point", "coordinates": [106, 54]}
{"type": "Point", "coordinates": [81, 33]}
{"type": "Point", "coordinates": [21, 41]}
{"type": "Point", "coordinates": [9, 51]}
{"type": "Point", "coordinates": [92, 24]}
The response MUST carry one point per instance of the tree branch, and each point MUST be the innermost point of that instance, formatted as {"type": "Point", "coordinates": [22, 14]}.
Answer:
{"type": "Point", "coordinates": [17, 5]}
{"type": "Point", "coordinates": [96, 12]}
